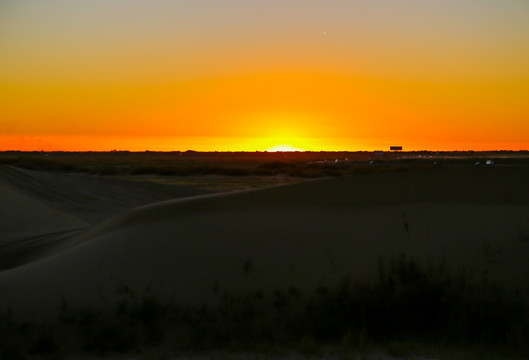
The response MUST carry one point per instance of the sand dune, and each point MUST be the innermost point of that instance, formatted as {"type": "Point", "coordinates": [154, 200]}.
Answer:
{"type": "Point", "coordinates": [29, 227]}
{"type": "Point", "coordinates": [91, 199]}
{"type": "Point", "coordinates": [42, 211]}
{"type": "Point", "coordinates": [195, 250]}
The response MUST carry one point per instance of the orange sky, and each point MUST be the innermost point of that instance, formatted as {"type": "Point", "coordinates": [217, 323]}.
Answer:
{"type": "Point", "coordinates": [335, 75]}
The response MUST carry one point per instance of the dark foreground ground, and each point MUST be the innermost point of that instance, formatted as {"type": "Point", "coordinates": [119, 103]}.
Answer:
{"type": "Point", "coordinates": [414, 310]}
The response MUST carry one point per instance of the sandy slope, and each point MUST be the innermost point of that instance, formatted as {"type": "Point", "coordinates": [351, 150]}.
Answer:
{"type": "Point", "coordinates": [304, 235]}
{"type": "Point", "coordinates": [29, 229]}
{"type": "Point", "coordinates": [89, 198]}
{"type": "Point", "coordinates": [40, 212]}
{"type": "Point", "coordinates": [22, 216]}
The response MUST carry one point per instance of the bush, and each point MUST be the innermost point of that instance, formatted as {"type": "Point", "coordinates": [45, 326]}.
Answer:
{"type": "Point", "coordinates": [409, 303]}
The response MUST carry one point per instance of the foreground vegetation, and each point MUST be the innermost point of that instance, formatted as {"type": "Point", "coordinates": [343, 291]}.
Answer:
{"type": "Point", "coordinates": [412, 305]}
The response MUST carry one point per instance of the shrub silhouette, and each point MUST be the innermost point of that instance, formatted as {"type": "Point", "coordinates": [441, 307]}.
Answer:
{"type": "Point", "coordinates": [409, 303]}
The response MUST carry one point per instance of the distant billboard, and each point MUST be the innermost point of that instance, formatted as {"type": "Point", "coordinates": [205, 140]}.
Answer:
{"type": "Point", "coordinates": [395, 148]}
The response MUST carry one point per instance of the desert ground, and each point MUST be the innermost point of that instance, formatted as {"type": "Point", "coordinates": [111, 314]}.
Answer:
{"type": "Point", "coordinates": [414, 255]}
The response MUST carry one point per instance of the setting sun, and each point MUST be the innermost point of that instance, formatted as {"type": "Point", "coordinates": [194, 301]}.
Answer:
{"type": "Point", "coordinates": [283, 147]}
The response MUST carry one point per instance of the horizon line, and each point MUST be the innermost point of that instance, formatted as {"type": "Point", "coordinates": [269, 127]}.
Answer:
{"type": "Point", "coordinates": [260, 151]}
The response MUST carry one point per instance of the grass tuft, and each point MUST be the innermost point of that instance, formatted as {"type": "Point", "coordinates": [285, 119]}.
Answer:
{"type": "Point", "coordinates": [410, 303]}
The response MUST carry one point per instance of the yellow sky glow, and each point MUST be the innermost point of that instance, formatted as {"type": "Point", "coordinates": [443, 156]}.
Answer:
{"type": "Point", "coordinates": [345, 76]}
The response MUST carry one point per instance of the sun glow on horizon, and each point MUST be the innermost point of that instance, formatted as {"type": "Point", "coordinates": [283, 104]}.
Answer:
{"type": "Point", "coordinates": [282, 148]}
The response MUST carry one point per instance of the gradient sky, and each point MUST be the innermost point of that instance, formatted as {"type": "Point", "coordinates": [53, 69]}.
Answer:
{"type": "Point", "coordinates": [251, 74]}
